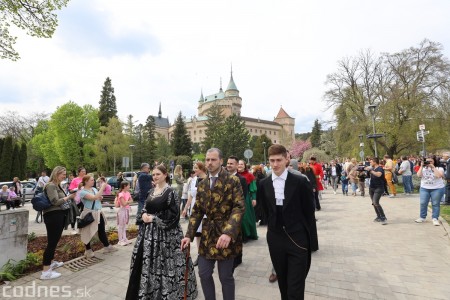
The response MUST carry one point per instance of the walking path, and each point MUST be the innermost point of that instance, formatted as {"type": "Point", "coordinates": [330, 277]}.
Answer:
{"type": "Point", "coordinates": [358, 259]}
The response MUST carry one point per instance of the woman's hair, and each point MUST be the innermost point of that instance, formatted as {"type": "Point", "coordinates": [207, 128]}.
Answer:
{"type": "Point", "coordinates": [245, 165]}
{"type": "Point", "coordinates": [4, 187]}
{"type": "Point", "coordinates": [80, 168]}
{"type": "Point", "coordinates": [16, 178]}
{"type": "Point", "coordinates": [85, 179]}
{"type": "Point", "coordinates": [163, 170]}
{"type": "Point", "coordinates": [101, 178]}
{"type": "Point", "coordinates": [56, 171]}
{"type": "Point", "coordinates": [200, 166]}
{"type": "Point", "coordinates": [178, 170]}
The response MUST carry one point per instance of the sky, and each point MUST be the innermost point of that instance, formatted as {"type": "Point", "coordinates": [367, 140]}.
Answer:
{"type": "Point", "coordinates": [167, 52]}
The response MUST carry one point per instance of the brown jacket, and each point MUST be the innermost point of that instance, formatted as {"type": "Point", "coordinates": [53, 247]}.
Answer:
{"type": "Point", "coordinates": [224, 207]}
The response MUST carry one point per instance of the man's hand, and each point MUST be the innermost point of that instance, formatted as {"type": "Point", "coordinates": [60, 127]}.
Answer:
{"type": "Point", "coordinates": [223, 242]}
{"type": "Point", "coordinates": [253, 202]}
{"type": "Point", "coordinates": [183, 213]}
{"type": "Point", "coordinates": [185, 242]}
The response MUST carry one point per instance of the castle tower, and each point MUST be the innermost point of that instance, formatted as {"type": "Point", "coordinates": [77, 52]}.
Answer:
{"type": "Point", "coordinates": [288, 123]}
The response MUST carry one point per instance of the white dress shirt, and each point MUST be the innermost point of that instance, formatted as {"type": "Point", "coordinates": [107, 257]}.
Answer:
{"type": "Point", "coordinates": [278, 185]}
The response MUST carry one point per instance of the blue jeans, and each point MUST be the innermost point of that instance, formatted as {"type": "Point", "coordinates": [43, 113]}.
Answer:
{"type": "Point", "coordinates": [435, 195]}
{"type": "Point", "coordinates": [344, 187]}
{"type": "Point", "coordinates": [407, 183]}
{"type": "Point", "coordinates": [354, 187]}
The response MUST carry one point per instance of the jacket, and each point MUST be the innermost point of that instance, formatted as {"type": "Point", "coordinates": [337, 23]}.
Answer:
{"type": "Point", "coordinates": [224, 208]}
{"type": "Point", "coordinates": [298, 206]}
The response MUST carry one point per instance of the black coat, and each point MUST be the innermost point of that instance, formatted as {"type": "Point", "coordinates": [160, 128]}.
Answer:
{"type": "Point", "coordinates": [298, 206]}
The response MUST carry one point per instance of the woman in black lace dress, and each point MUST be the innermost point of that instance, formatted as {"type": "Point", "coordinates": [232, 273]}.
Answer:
{"type": "Point", "coordinates": [157, 264]}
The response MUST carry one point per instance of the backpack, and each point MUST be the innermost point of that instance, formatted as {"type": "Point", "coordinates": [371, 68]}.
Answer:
{"type": "Point", "coordinates": [40, 201]}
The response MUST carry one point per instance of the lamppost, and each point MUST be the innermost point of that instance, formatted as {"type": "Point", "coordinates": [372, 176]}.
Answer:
{"type": "Point", "coordinates": [361, 146]}
{"type": "Point", "coordinates": [264, 145]}
{"type": "Point", "coordinates": [132, 149]}
{"type": "Point", "coordinates": [375, 135]}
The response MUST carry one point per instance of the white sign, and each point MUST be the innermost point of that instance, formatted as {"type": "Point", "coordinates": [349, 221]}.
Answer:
{"type": "Point", "coordinates": [422, 127]}
{"type": "Point", "coordinates": [248, 153]}
{"type": "Point", "coordinates": [125, 162]}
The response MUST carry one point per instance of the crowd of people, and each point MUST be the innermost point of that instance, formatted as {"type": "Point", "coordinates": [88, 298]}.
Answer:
{"type": "Point", "coordinates": [224, 201]}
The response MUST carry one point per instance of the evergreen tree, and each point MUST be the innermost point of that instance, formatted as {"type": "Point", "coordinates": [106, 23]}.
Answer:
{"type": "Point", "coordinates": [235, 137]}
{"type": "Point", "coordinates": [163, 149]}
{"type": "Point", "coordinates": [258, 148]}
{"type": "Point", "coordinates": [6, 159]}
{"type": "Point", "coordinates": [213, 126]}
{"type": "Point", "coordinates": [181, 141]}
{"type": "Point", "coordinates": [149, 137]}
{"type": "Point", "coordinates": [108, 107]}
{"type": "Point", "coordinates": [1, 146]}
{"type": "Point", "coordinates": [15, 165]}
{"type": "Point", "coordinates": [23, 157]}
{"type": "Point", "coordinates": [315, 134]}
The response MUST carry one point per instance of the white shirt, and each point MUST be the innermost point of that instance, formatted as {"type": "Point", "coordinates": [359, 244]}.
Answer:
{"type": "Point", "coordinates": [429, 181]}
{"type": "Point", "coordinates": [278, 186]}
{"type": "Point", "coordinates": [333, 171]}
{"type": "Point", "coordinates": [43, 180]}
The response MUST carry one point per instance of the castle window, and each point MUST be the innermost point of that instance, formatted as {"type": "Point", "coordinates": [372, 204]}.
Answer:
{"type": "Point", "coordinates": [195, 139]}
{"type": "Point", "coordinates": [195, 132]}
{"type": "Point", "coordinates": [274, 133]}
{"type": "Point", "coordinates": [200, 131]}
{"type": "Point", "coordinates": [260, 131]}
{"type": "Point", "coordinates": [265, 131]}
{"type": "Point", "coordinates": [270, 131]}
{"type": "Point", "coordinates": [274, 141]}
{"type": "Point", "coordinates": [251, 130]}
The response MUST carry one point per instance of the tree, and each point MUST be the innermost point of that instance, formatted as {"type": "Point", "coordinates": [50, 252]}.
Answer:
{"type": "Point", "coordinates": [213, 125]}
{"type": "Point", "coordinates": [258, 148]}
{"type": "Point", "coordinates": [408, 88]}
{"type": "Point", "coordinates": [181, 141]}
{"type": "Point", "coordinates": [299, 147]}
{"type": "Point", "coordinates": [315, 134]}
{"type": "Point", "coordinates": [6, 159]}
{"type": "Point", "coordinates": [320, 155]}
{"type": "Point", "coordinates": [149, 139]}
{"type": "Point", "coordinates": [163, 149]}
{"type": "Point", "coordinates": [23, 161]}
{"type": "Point", "coordinates": [235, 137]}
{"type": "Point", "coordinates": [18, 126]}
{"type": "Point", "coordinates": [15, 165]}
{"type": "Point", "coordinates": [110, 145]}
{"type": "Point", "coordinates": [36, 17]}
{"type": "Point", "coordinates": [108, 106]}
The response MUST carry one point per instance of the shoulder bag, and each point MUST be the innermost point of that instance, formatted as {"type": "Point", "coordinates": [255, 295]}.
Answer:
{"type": "Point", "coordinates": [87, 219]}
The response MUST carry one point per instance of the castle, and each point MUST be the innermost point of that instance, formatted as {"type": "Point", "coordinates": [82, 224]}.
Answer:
{"type": "Point", "coordinates": [280, 130]}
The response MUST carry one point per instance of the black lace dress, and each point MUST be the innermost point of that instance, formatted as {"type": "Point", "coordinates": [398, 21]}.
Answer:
{"type": "Point", "coordinates": [157, 263]}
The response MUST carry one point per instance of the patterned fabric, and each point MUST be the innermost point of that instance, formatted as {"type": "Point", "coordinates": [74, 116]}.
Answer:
{"type": "Point", "coordinates": [157, 264]}
{"type": "Point", "coordinates": [224, 207]}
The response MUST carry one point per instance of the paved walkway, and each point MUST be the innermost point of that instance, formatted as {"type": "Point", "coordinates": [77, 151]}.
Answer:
{"type": "Point", "coordinates": [358, 259]}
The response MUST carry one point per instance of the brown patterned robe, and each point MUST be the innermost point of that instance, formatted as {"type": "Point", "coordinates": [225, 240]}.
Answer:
{"type": "Point", "coordinates": [224, 207]}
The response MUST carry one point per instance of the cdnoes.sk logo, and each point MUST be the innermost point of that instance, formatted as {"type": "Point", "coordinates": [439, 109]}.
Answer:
{"type": "Point", "coordinates": [33, 290]}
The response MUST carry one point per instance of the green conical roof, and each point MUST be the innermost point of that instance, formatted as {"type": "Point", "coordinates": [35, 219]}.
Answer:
{"type": "Point", "coordinates": [231, 85]}
{"type": "Point", "coordinates": [201, 98]}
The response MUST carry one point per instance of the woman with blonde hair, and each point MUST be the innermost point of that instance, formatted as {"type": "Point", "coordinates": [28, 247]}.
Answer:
{"type": "Point", "coordinates": [55, 218]}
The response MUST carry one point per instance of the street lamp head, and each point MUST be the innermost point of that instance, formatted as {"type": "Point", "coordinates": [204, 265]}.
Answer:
{"type": "Point", "coordinates": [132, 146]}
{"type": "Point", "coordinates": [264, 144]}
{"type": "Point", "coordinates": [372, 108]}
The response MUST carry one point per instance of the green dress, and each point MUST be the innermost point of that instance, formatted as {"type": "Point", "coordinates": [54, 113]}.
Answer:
{"type": "Point", "coordinates": [249, 219]}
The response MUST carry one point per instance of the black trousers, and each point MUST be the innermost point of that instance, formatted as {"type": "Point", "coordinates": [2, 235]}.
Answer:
{"type": "Point", "coordinates": [101, 234]}
{"type": "Point", "coordinates": [290, 263]}
{"type": "Point", "coordinates": [316, 197]}
{"type": "Point", "coordinates": [54, 223]}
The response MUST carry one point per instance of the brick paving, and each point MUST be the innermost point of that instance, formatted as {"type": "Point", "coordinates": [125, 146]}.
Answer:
{"type": "Point", "coordinates": [358, 259]}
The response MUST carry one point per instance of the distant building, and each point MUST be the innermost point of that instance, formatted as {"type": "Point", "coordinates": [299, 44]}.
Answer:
{"type": "Point", "coordinates": [280, 130]}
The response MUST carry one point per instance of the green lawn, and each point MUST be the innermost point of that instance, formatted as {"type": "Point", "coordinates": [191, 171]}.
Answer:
{"type": "Point", "coordinates": [445, 212]}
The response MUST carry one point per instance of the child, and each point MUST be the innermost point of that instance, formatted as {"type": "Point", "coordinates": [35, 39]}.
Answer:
{"type": "Point", "coordinates": [344, 180]}
{"type": "Point", "coordinates": [122, 201]}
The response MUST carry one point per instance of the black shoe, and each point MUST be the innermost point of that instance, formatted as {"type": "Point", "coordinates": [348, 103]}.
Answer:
{"type": "Point", "coordinates": [377, 219]}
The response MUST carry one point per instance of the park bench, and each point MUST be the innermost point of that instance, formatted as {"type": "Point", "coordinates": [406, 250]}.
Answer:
{"type": "Point", "coordinates": [108, 201]}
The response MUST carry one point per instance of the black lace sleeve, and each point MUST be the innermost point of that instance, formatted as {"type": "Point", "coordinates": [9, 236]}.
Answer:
{"type": "Point", "coordinates": [170, 217]}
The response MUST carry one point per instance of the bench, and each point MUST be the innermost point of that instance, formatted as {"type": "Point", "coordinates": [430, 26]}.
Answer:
{"type": "Point", "coordinates": [108, 201]}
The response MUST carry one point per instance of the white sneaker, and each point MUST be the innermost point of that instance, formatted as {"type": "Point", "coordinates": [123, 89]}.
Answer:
{"type": "Point", "coordinates": [335, 192]}
{"type": "Point", "coordinates": [89, 253]}
{"type": "Point", "coordinates": [436, 222]}
{"type": "Point", "coordinates": [109, 249]}
{"type": "Point", "coordinates": [420, 220]}
{"type": "Point", "coordinates": [45, 275]}
{"type": "Point", "coordinates": [74, 231]}
{"type": "Point", "coordinates": [391, 196]}
{"type": "Point", "coordinates": [56, 264]}
{"type": "Point", "coordinates": [122, 243]}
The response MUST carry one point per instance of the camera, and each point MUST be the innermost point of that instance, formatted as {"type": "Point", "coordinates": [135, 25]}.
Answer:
{"type": "Point", "coordinates": [73, 191]}
{"type": "Point", "coordinates": [425, 162]}
{"type": "Point", "coordinates": [360, 168]}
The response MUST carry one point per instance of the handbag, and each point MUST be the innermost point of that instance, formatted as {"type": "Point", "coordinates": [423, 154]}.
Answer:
{"type": "Point", "coordinates": [40, 201]}
{"type": "Point", "coordinates": [87, 219]}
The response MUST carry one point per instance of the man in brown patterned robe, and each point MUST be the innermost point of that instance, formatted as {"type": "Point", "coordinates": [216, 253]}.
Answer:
{"type": "Point", "coordinates": [221, 199]}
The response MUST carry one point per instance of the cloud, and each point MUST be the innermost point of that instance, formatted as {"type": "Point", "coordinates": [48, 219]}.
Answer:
{"type": "Point", "coordinates": [86, 30]}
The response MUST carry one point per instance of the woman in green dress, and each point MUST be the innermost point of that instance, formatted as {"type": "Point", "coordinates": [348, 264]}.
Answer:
{"type": "Point", "coordinates": [249, 219]}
